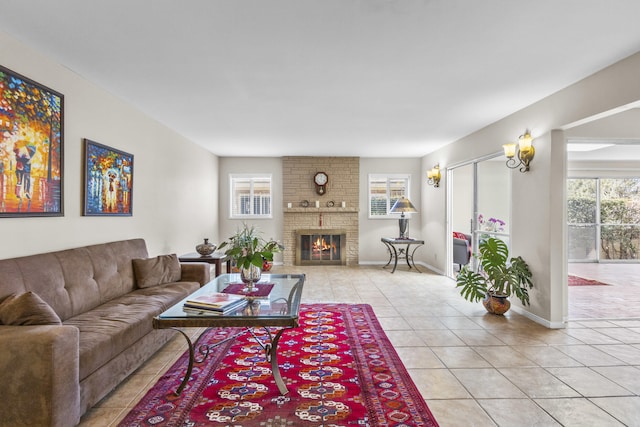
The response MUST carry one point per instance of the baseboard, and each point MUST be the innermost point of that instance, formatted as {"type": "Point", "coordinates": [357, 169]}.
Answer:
{"type": "Point", "coordinates": [432, 268]}
{"type": "Point", "coordinates": [538, 319]}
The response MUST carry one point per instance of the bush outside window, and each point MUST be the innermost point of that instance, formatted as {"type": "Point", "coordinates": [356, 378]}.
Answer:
{"type": "Point", "coordinates": [603, 218]}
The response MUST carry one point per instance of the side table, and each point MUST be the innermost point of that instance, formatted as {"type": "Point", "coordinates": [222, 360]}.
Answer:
{"type": "Point", "coordinates": [216, 258]}
{"type": "Point", "coordinates": [403, 251]}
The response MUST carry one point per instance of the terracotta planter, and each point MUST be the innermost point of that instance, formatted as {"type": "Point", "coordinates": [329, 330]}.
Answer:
{"type": "Point", "coordinates": [496, 304]}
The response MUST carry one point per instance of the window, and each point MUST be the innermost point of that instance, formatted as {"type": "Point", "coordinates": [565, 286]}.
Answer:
{"type": "Point", "coordinates": [250, 196]}
{"type": "Point", "coordinates": [384, 191]}
{"type": "Point", "coordinates": [603, 219]}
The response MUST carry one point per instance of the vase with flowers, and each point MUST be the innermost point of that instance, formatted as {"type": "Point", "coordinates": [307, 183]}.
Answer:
{"type": "Point", "coordinates": [250, 251]}
{"type": "Point", "coordinates": [490, 224]}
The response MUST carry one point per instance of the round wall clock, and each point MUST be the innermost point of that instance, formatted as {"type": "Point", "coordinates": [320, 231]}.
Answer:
{"type": "Point", "coordinates": [320, 180]}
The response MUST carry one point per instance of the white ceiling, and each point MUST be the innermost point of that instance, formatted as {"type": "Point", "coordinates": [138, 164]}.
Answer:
{"type": "Point", "coordinates": [369, 78]}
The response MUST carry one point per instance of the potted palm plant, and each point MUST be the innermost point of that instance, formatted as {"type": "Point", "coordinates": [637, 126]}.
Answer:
{"type": "Point", "coordinates": [250, 251]}
{"type": "Point", "coordinates": [497, 279]}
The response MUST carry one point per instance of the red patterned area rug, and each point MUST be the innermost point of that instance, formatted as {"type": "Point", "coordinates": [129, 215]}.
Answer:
{"type": "Point", "coordinates": [580, 281]}
{"type": "Point", "coordinates": [339, 366]}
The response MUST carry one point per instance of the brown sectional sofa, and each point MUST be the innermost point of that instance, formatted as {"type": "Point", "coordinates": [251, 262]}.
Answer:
{"type": "Point", "coordinates": [53, 373]}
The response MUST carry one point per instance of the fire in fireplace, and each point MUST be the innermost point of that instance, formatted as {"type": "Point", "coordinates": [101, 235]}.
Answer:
{"type": "Point", "coordinates": [321, 247]}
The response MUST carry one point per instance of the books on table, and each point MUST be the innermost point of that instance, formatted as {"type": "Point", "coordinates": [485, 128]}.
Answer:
{"type": "Point", "coordinates": [216, 302]}
{"type": "Point", "coordinates": [206, 312]}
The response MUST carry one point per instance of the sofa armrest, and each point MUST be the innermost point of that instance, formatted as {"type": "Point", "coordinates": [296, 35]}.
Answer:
{"type": "Point", "coordinates": [39, 366]}
{"type": "Point", "coordinates": [196, 272]}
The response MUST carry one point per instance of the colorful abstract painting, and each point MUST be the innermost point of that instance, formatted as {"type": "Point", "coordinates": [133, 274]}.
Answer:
{"type": "Point", "coordinates": [108, 178]}
{"type": "Point", "coordinates": [31, 147]}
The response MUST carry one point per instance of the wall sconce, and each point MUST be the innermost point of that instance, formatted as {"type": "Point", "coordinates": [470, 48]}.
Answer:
{"type": "Point", "coordinates": [433, 176]}
{"type": "Point", "coordinates": [524, 152]}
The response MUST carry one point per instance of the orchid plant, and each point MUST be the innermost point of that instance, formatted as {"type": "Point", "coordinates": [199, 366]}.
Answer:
{"type": "Point", "coordinates": [491, 224]}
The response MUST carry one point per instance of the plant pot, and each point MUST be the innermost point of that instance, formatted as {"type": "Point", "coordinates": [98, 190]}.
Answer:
{"type": "Point", "coordinates": [496, 304]}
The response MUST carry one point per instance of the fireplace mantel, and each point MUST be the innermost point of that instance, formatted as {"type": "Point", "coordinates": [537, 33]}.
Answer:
{"type": "Point", "coordinates": [322, 209]}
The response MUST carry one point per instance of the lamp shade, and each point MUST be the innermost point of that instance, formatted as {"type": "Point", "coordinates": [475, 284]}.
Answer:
{"type": "Point", "coordinates": [524, 142]}
{"type": "Point", "coordinates": [509, 150]}
{"type": "Point", "coordinates": [403, 205]}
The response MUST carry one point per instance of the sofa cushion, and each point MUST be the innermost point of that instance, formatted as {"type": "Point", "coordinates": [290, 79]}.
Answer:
{"type": "Point", "coordinates": [27, 309]}
{"type": "Point", "coordinates": [156, 271]}
{"type": "Point", "coordinates": [113, 327]}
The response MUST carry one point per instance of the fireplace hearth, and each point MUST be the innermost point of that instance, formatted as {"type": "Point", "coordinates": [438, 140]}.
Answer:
{"type": "Point", "coordinates": [321, 247]}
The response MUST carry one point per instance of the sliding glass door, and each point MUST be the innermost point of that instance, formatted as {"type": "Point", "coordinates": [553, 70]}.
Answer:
{"type": "Point", "coordinates": [603, 217]}
{"type": "Point", "coordinates": [493, 200]}
{"type": "Point", "coordinates": [479, 195]}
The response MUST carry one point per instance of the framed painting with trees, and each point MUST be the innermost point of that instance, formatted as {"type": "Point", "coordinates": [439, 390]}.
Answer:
{"type": "Point", "coordinates": [31, 147]}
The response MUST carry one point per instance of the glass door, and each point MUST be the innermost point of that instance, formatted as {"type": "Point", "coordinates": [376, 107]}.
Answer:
{"type": "Point", "coordinates": [493, 200]}
{"type": "Point", "coordinates": [479, 206]}
{"type": "Point", "coordinates": [460, 189]}
{"type": "Point", "coordinates": [603, 217]}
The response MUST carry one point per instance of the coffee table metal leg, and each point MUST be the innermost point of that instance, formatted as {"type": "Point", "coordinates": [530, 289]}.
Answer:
{"type": "Point", "coordinates": [270, 347]}
{"type": "Point", "coordinates": [204, 350]}
{"type": "Point", "coordinates": [189, 367]}
{"type": "Point", "coordinates": [271, 354]}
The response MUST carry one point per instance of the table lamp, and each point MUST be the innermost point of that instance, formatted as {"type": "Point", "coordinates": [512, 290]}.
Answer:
{"type": "Point", "coordinates": [401, 206]}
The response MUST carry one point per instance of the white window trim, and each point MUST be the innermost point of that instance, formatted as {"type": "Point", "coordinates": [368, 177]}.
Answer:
{"type": "Point", "coordinates": [387, 177]}
{"type": "Point", "coordinates": [251, 176]}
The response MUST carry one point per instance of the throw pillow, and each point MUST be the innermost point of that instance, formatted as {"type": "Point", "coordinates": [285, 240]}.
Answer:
{"type": "Point", "coordinates": [458, 235]}
{"type": "Point", "coordinates": [27, 309]}
{"type": "Point", "coordinates": [156, 271]}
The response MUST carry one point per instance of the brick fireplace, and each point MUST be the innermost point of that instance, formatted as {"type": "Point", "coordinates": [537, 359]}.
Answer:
{"type": "Point", "coordinates": [330, 216]}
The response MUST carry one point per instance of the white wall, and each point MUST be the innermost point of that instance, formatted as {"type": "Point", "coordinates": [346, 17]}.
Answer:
{"type": "Point", "coordinates": [270, 228]}
{"type": "Point", "coordinates": [175, 181]}
{"type": "Point", "coordinates": [538, 202]}
{"type": "Point", "coordinates": [372, 250]}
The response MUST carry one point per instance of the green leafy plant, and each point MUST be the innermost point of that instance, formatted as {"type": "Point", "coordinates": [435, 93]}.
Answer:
{"type": "Point", "coordinates": [248, 248]}
{"type": "Point", "coordinates": [498, 275]}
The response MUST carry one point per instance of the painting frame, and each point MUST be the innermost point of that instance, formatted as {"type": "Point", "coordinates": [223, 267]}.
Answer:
{"type": "Point", "coordinates": [108, 181]}
{"type": "Point", "coordinates": [31, 148]}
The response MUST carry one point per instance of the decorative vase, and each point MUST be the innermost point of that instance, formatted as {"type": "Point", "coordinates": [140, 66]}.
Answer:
{"type": "Point", "coordinates": [205, 248]}
{"type": "Point", "coordinates": [250, 276]}
{"type": "Point", "coordinates": [496, 304]}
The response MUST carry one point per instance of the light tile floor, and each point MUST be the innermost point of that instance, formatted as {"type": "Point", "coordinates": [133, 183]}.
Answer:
{"type": "Point", "coordinates": [473, 368]}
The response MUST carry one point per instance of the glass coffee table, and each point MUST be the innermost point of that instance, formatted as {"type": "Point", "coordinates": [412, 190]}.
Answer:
{"type": "Point", "coordinates": [275, 314]}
